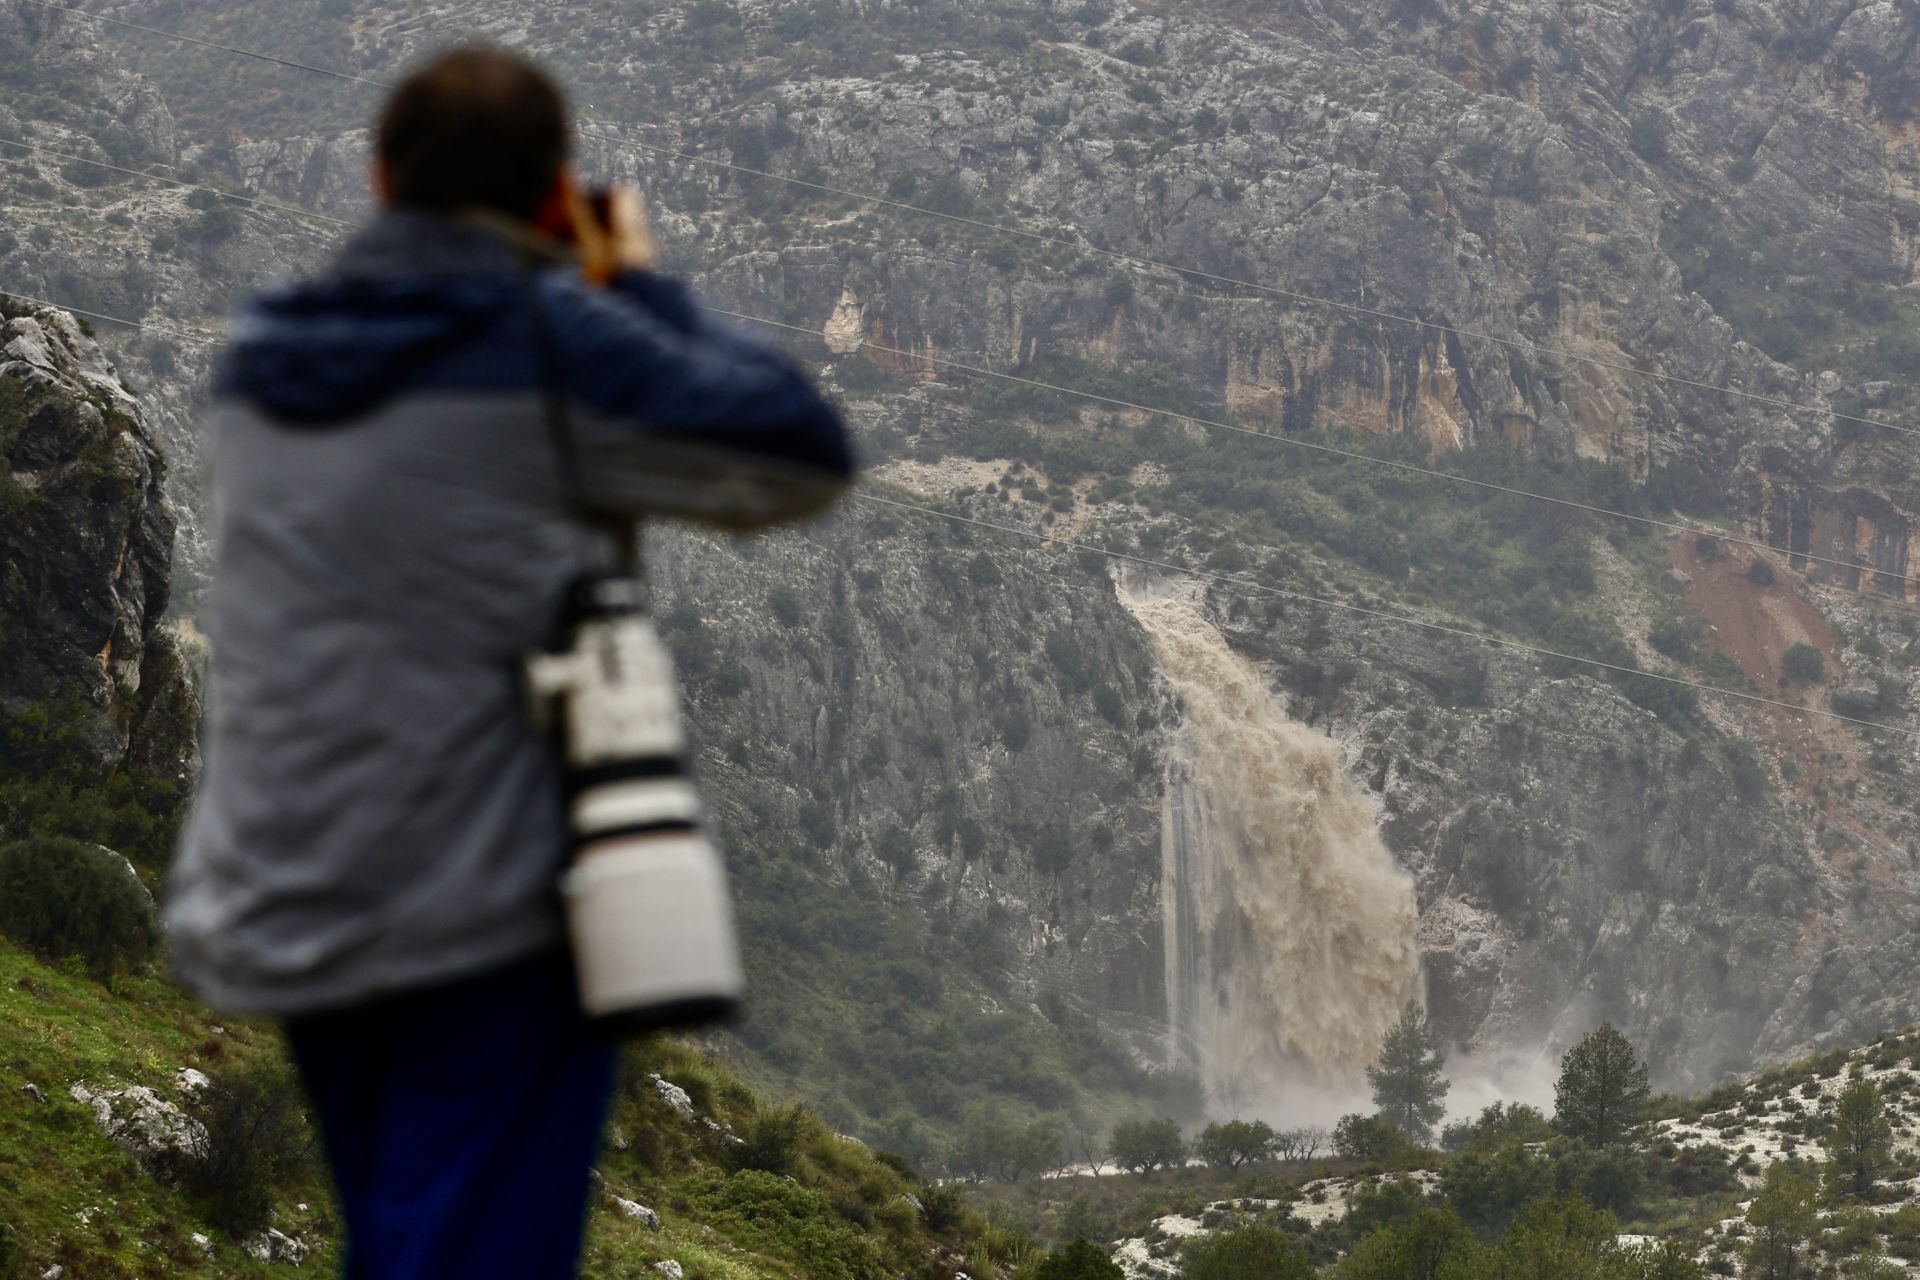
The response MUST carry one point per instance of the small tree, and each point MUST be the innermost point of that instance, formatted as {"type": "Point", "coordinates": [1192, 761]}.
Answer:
{"type": "Point", "coordinates": [1235, 1142]}
{"type": "Point", "coordinates": [1078, 1260]}
{"type": "Point", "coordinates": [1407, 1084]}
{"type": "Point", "coordinates": [1368, 1138]}
{"type": "Point", "coordinates": [1602, 1086]}
{"type": "Point", "coordinates": [1020, 1153]}
{"type": "Point", "coordinates": [1782, 1220]}
{"type": "Point", "coordinates": [1861, 1142]}
{"type": "Point", "coordinates": [1144, 1146]}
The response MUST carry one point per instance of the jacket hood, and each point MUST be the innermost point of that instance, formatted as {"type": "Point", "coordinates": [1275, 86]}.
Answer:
{"type": "Point", "coordinates": [406, 289]}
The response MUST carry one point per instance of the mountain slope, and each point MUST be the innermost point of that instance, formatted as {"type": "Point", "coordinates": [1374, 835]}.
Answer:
{"type": "Point", "coordinates": [1719, 193]}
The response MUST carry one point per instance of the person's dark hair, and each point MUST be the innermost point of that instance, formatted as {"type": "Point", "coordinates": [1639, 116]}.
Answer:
{"type": "Point", "coordinates": [474, 128]}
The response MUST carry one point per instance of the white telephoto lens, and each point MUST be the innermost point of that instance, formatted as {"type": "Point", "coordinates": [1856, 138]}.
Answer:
{"type": "Point", "coordinates": [651, 919]}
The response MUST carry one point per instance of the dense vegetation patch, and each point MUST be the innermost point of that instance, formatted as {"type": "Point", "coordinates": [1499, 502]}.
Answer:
{"type": "Point", "coordinates": [62, 898]}
{"type": "Point", "coordinates": [53, 785]}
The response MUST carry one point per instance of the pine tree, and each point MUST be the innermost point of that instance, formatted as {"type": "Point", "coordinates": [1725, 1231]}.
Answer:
{"type": "Point", "coordinates": [1782, 1220]}
{"type": "Point", "coordinates": [1861, 1142]}
{"type": "Point", "coordinates": [1603, 1084]}
{"type": "Point", "coordinates": [1407, 1085]}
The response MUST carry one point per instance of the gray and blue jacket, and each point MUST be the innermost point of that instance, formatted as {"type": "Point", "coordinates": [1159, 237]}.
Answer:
{"type": "Point", "coordinates": [391, 537]}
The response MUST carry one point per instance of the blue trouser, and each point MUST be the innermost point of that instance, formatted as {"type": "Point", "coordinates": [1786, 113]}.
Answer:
{"type": "Point", "coordinates": [461, 1123]}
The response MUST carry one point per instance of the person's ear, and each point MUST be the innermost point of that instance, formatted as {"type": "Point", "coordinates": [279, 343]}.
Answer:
{"type": "Point", "coordinates": [382, 184]}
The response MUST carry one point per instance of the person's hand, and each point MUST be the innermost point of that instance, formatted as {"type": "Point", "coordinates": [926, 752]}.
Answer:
{"type": "Point", "coordinates": [615, 237]}
{"type": "Point", "coordinates": [630, 232]}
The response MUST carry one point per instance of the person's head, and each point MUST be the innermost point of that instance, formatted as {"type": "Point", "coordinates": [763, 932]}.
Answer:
{"type": "Point", "coordinates": [477, 128]}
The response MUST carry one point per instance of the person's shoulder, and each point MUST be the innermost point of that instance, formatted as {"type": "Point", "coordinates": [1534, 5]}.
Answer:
{"type": "Point", "coordinates": [631, 308]}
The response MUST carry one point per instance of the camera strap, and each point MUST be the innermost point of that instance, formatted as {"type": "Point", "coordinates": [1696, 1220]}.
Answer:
{"type": "Point", "coordinates": [620, 532]}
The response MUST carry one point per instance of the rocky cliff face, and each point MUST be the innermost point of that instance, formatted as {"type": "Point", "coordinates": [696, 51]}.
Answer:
{"type": "Point", "coordinates": [1721, 194]}
{"type": "Point", "coordinates": [85, 539]}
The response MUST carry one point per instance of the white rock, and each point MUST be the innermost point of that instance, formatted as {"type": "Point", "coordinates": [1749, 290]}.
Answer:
{"type": "Point", "coordinates": [35, 1092]}
{"type": "Point", "coordinates": [636, 1211]}
{"type": "Point", "coordinates": [670, 1269]}
{"type": "Point", "coordinates": [674, 1096]}
{"type": "Point", "coordinates": [191, 1081]}
{"type": "Point", "coordinates": [202, 1243]}
{"type": "Point", "coordinates": [145, 1124]}
{"type": "Point", "coordinates": [276, 1246]}
{"type": "Point", "coordinates": [53, 1272]}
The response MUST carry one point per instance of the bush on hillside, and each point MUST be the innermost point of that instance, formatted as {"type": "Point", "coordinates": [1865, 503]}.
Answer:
{"type": "Point", "coordinates": [61, 898]}
{"type": "Point", "coordinates": [1078, 1260]}
{"type": "Point", "coordinates": [1803, 664]}
{"type": "Point", "coordinates": [1249, 1253]}
{"type": "Point", "coordinates": [52, 785]}
{"type": "Point", "coordinates": [773, 1144]}
{"type": "Point", "coordinates": [257, 1141]}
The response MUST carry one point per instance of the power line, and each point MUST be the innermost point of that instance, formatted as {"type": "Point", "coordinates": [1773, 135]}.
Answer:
{"type": "Point", "coordinates": [1350, 454]}
{"type": "Point", "coordinates": [177, 182]}
{"type": "Point", "coordinates": [1040, 237]}
{"type": "Point", "coordinates": [1245, 584]}
{"type": "Point", "coordinates": [1293, 441]}
{"type": "Point", "coordinates": [1336, 451]}
{"type": "Point", "coordinates": [206, 44]}
{"type": "Point", "coordinates": [203, 335]}
{"type": "Point", "coordinates": [1293, 295]}
{"type": "Point", "coordinates": [1242, 583]}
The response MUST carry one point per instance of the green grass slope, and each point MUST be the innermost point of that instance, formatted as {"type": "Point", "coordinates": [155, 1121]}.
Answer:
{"type": "Point", "coordinates": [742, 1189]}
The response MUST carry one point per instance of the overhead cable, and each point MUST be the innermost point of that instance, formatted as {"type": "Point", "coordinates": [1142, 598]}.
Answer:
{"type": "Point", "coordinates": [275, 205]}
{"type": "Point", "coordinates": [206, 44]}
{"type": "Point", "coordinates": [1384, 615]}
{"type": "Point", "coordinates": [1176, 415]}
{"type": "Point", "coordinates": [1244, 583]}
{"type": "Point", "coordinates": [1335, 451]}
{"type": "Point", "coordinates": [1096, 397]}
{"type": "Point", "coordinates": [193, 332]}
{"type": "Point", "coordinates": [1115, 255]}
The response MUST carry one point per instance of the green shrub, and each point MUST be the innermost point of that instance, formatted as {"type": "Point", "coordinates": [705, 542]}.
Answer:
{"type": "Point", "coordinates": [1249, 1253]}
{"type": "Point", "coordinates": [773, 1144]}
{"type": "Point", "coordinates": [51, 784]}
{"type": "Point", "coordinates": [1078, 1260]}
{"type": "Point", "coordinates": [60, 897]}
{"type": "Point", "coordinates": [1489, 1190]}
{"type": "Point", "coordinates": [257, 1141]}
{"type": "Point", "coordinates": [769, 1213]}
{"type": "Point", "coordinates": [1419, 1246]}
{"type": "Point", "coordinates": [1803, 664]}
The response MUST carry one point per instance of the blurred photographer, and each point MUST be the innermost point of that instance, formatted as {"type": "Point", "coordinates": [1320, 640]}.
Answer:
{"type": "Point", "coordinates": [412, 456]}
